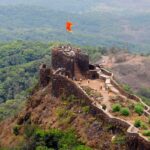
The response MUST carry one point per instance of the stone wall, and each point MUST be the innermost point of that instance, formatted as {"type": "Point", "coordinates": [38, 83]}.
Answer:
{"type": "Point", "coordinates": [106, 72]}
{"type": "Point", "coordinates": [65, 86]}
{"type": "Point", "coordinates": [93, 74]}
{"type": "Point", "coordinates": [62, 85]}
{"type": "Point", "coordinates": [82, 61]}
{"type": "Point", "coordinates": [72, 60]}
{"type": "Point", "coordinates": [59, 60]}
{"type": "Point", "coordinates": [136, 142]}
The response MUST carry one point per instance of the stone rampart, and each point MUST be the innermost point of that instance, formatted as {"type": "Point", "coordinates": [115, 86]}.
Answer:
{"type": "Point", "coordinates": [62, 85]}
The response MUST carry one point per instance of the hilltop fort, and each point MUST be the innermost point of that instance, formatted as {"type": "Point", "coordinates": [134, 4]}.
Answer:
{"type": "Point", "coordinates": [73, 92]}
{"type": "Point", "coordinates": [72, 74]}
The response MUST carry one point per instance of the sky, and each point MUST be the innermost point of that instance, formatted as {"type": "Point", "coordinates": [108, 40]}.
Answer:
{"type": "Point", "coordinates": [87, 5]}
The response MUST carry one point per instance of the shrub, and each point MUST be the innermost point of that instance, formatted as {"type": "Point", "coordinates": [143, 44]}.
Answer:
{"type": "Point", "coordinates": [71, 98]}
{"type": "Point", "coordinates": [137, 123]}
{"type": "Point", "coordinates": [56, 139]}
{"type": "Point", "coordinates": [131, 106]}
{"type": "Point", "coordinates": [43, 148]}
{"type": "Point", "coordinates": [61, 112]}
{"type": "Point", "coordinates": [144, 126]}
{"type": "Point", "coordinates": [86, 109]}
{"type": "Point", "coordinates": [146, 133]}
{"type": "Point", "coordinates": [138, 108]}
{"type": "Point", "coordinates": [127, 88]}
{"type": "Point", "coordinates": [125, 111]}
{"type": "Point", "coordinates": [16, 129]}
{"type": "Point", "coordinates": [119, 139]}
{"type": "Point", "coordinates": [116, 107]}
{"type": "Point", "coordinates": [104, 107]}
{"type": "Point", "coordinates": [82, 147]}
{"type": "Point", "coordinates": [65, 116]}
{"type": "Point", "coordinates": [29, 130]}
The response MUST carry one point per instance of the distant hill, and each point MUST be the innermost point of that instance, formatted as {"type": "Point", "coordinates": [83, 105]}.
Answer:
{"type": "Point", "coordinates": [95, 22]}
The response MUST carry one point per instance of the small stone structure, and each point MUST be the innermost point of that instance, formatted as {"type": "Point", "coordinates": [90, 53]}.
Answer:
{"type": "Point", "coordinates": [70, 62]}
{"type": "Point", "coordinates": [75, 63]}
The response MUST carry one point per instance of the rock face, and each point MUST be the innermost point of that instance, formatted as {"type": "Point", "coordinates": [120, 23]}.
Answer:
{"type": "Point", "coordinates": [75, 63]}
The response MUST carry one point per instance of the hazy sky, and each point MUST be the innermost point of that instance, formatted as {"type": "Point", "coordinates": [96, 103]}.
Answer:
{"type": "Point", "coordinates": [82, 5]}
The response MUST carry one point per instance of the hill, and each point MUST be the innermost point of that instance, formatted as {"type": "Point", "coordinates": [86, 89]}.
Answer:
{"type": "Point", "coordinates": [96, 23]}
{"type": "Point", "coordinates": [80, 107]}
{"type": "Point", "coordinates": [132, 71]}
{"type": "Point", "coordinates": [68, 117]}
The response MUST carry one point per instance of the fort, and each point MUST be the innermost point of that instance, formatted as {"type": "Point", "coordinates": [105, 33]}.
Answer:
{"type": "Point", "coordinates": [72, 74]}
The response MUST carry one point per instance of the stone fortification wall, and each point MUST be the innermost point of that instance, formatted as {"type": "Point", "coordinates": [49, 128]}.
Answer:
{"type": "Point", "coordinates": [75, 63]}
{"type": "Point", "coordinates": [136, 142]}
{"type": "Point", "coordinates": [62, 85]}
{"type": "Point", "coordinates": [59, 60]}
{"type": "Point", "coordinates": [82, 61]}
{"type": "Point", "coordinates": [65, 86]}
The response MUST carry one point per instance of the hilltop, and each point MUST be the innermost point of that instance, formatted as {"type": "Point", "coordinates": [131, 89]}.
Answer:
{"type": "Point", "coordinates": [75, 95]}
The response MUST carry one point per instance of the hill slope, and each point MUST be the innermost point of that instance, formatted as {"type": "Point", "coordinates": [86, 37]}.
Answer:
{"type": "Point", "coordinates": [68, 114]}
{"type": "Point", "coordinates": [132, 70]}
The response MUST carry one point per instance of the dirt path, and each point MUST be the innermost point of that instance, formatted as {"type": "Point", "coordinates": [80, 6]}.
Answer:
{"type": "Point", "coordinates": [99, 87]}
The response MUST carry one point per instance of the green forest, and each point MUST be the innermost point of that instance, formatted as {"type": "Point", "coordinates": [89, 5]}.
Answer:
{"type": "Point", "coordinates": [19, 63]}
{"type": "Point", "coordinates": [93, 28]}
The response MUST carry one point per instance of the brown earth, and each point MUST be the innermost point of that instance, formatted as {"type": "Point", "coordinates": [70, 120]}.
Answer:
{"type": "Point", "coordinates": [48, 112]}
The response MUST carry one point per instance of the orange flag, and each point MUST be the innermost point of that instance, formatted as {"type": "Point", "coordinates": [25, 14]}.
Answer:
{"type": "Point", "coordinates": [69, 26]}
